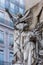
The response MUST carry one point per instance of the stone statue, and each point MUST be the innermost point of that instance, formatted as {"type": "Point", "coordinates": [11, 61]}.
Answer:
{"type": "Point", "coordinates": [28, 46]}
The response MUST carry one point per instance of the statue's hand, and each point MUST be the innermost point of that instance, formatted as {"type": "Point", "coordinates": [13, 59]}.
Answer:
{"type": "Point", "coordinates": [33, 39]}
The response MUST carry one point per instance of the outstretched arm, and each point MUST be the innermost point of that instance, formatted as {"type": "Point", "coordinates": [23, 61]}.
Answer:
{"type": "Point", "coordinates": [10, 15]}
{"type": "Point", "coordinates": [13, 18]}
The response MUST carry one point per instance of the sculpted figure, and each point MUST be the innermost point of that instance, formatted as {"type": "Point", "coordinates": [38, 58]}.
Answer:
{"type": "Point", "coordinates": [30, 50]}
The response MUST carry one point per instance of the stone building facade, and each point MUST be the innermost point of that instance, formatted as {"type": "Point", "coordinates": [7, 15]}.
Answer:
{"type": "Point", "coordinates": [6, 36]}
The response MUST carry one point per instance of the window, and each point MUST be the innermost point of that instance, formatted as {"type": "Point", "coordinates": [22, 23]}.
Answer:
{"type": "Point", "coordinates": [1, 57]}
{"type": "Point", "coordinates": [11, 39]}
{"type": "Point", "coordinates": [7, 3]}
{"type": "Point", "coordinates": [21, 10]}
{"type": "Point", "coordinates": [1, 37]}
{"type": "Point", "coordinates": [17, 0]}
{"type": "Point", "coordinates": [16, 9]}
{"type": "Point", "coordinates": [11, 57]}
{"type": "Point", "coordinates": [21, 2]}
{"type": "Point", "coordinates": [2, 3]}
{"type": "Point", "coordinates": [11, 23]}
{"type": "Point", "coordinates": [11, 7]}
{"type": "Point", "coordinates": [2, 17]}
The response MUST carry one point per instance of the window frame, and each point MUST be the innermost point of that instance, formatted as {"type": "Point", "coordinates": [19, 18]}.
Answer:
{"type": "Point", "coordinates": [21, 2]}
{"type": "Point", "coordinates": [2, 53]}
{"type": "Point", "coordinates": [11, 7]}
{"type": "Point", "coordinates": [11, 56]}
{"type": "Point", "coordinates": [10, 39]}
{"type": "Point", "coordinates": [2, 32]}
{"type": "Point", "coordinates": [2, 15]}
{"type": "Point", "coordinates": [21, 10]}
{"type": "Point", "coordinates": [2, 2]}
